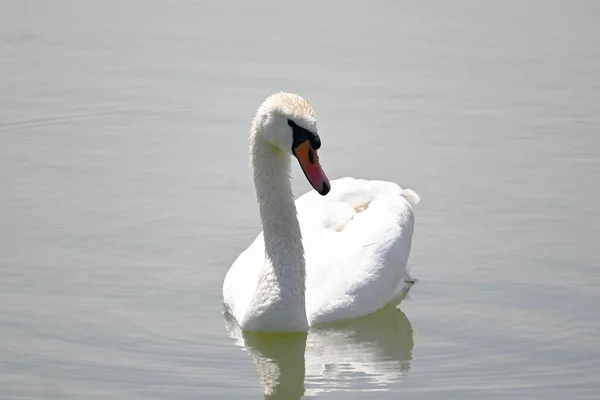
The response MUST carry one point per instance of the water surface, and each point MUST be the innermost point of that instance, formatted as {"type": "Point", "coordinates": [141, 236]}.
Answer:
{"type": "Point", "coordinates": [126, 195]}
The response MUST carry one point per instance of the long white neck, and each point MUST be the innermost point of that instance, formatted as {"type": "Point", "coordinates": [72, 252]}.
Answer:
{"type": "Point", "coordinates": [279, 300]}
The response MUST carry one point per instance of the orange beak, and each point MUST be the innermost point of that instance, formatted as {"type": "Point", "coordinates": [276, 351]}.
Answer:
{"type": "Point", "coordinates": [309, 162]}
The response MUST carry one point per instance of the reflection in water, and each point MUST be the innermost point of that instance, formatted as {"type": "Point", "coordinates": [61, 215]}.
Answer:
{"type": "Point", "coordinates": [375, 349]}
{"type": "Point", "coordinates": [279, 360]}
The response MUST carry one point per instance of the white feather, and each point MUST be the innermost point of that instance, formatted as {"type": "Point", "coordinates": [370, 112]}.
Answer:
{"type": "Point", "coordinates": [343, 256]}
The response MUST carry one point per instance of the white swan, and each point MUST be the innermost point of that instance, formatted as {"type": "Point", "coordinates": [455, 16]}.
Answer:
{"type": "Point", "coordinates": [320, 258]}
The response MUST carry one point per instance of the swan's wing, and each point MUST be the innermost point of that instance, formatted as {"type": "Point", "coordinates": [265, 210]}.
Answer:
{"type": "Point", "coordinates": [358, 270]}
{"type": "Point", "coordinates": [347, 198]}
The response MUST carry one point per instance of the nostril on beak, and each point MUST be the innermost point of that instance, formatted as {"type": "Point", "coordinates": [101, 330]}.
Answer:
{"type": "Point", "coordinates": [311, 156]}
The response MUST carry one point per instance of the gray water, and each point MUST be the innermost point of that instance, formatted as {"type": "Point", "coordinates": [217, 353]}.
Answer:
{"type": "Point", "coordinates": [126, 195]}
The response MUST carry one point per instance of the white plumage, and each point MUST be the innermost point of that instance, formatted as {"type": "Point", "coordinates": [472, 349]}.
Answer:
{"type": "Point", "coordinates": [343, 256]}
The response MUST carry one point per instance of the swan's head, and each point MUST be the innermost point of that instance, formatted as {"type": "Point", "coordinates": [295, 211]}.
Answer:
{"type": "Point", "coordinates": [288, 122]}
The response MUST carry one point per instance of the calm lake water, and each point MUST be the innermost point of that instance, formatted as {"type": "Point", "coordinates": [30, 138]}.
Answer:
{"type": "Point", "coordinates": [126, 195]}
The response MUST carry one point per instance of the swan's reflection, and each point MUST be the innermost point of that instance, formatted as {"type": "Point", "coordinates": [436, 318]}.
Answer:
{"type": "Point", "coordinates": [362, 354]}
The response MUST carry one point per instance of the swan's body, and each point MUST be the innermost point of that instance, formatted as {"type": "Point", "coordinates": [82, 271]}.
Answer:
{"type": "Point", "coordinates": [319, 258]}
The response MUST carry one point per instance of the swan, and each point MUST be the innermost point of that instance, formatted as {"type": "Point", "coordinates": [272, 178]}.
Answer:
{"type": "Point", "coordinates": [337, 252]}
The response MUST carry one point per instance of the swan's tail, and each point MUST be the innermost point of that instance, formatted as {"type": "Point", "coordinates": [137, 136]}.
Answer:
{"type": "Point", "coordinates": [411, 196]}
